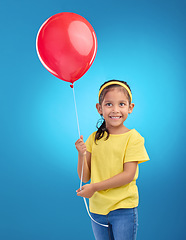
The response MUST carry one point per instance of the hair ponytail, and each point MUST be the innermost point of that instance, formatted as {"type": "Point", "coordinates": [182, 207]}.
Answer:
{"type": "Point", "coordinates": [101, 130]}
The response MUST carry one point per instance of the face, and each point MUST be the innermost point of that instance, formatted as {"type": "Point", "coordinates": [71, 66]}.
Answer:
{"type": "Point", "coordinates": [115, 108]}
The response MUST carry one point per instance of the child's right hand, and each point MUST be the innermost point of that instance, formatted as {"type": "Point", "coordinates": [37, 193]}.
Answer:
{"type": "Point", "coordinates": [80, 146]}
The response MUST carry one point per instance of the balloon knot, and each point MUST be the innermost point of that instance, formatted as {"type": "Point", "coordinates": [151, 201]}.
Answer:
{"type": "Point", "coordinates": [72, 85]}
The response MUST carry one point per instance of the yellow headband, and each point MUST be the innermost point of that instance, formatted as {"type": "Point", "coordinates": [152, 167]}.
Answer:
{"type": "Point", "coordinates": [118, 83]}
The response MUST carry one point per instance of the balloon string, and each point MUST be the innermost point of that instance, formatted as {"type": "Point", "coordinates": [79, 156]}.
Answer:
{"type": "Point", "coordinates": [81, 175]}
{"type": "Point", "coordinates": [103, 225]}
{"type": "Point", "coordinates": [76, 111]}
{"type": "Point", "coordinates": [72, 86]}
{"type": "Point", "coordinates": [81, 179]}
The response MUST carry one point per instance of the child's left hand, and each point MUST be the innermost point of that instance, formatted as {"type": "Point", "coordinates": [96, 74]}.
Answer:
{"type": "Point", "coordinates": [87, 191]}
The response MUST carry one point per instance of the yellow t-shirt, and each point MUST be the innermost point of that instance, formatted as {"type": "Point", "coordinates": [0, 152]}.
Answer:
{"type": "Point", "coordinates": [107, 159]}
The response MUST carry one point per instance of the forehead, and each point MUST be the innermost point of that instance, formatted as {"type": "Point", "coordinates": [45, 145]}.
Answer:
{"type": "Point", "coordinates": [116, 93]}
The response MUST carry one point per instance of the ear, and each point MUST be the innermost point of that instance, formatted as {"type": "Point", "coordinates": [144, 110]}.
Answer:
{"type": "Point", "coordinates": [131, 107]}
{"type": "Point", "coordinates": [98, 106]}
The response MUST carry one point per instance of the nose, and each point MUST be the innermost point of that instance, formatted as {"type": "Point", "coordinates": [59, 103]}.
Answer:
{"type": "Point", "coordinates": [115, 109]}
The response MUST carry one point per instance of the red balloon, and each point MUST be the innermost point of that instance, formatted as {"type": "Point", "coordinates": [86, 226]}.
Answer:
{"type": "Point", "coordinates": [66, 45]}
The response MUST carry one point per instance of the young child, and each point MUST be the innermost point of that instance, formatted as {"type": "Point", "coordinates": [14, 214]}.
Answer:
{"type": "Point", "coordinates": [111, 157]}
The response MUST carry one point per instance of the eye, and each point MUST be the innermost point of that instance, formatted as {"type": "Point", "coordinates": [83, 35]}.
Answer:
{"type": "Point", "coordinates": [122, 104]}
{"type": "Point", "coordinates": [108, 104]}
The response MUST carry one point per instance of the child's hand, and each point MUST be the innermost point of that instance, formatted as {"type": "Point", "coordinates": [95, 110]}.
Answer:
{"type": "Point", "coordinates": [80, 146]}
{"type": "Point", "coordinates": [87, 191]}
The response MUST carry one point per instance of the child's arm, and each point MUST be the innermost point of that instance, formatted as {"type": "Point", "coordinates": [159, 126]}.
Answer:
{"type": "Point", "coordinates": [85, 156]}
{"type": "Point", "coordinates": [116, 181]}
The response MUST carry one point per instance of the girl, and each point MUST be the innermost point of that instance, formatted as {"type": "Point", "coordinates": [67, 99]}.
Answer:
{"type": "Point", "coordinates": [111, 157]}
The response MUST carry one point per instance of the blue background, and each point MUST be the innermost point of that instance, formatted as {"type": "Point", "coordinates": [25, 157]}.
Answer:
{"type": "Point", "coordinates": [139, 41]}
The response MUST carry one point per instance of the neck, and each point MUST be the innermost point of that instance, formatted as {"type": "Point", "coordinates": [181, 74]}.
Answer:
{"type": "Point", "coordinates": [118, 130]}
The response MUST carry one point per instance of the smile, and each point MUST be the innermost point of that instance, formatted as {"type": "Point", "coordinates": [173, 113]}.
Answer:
{"type": "Point", "coordinates": [112, 117]}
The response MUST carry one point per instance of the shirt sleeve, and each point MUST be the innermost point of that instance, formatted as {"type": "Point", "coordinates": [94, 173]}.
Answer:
{"type": "Point", "coordinates": [135, 150]}
{"type": "Point", "coordinates": [90, 142]}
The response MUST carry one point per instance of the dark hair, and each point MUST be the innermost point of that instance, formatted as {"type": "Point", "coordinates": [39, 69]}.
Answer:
{"type": "Point", "coordinates": [101, 124]}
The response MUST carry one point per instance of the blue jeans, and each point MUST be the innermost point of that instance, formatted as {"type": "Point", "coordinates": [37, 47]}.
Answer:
{"type": "Point", "coordinates": [122, 223]}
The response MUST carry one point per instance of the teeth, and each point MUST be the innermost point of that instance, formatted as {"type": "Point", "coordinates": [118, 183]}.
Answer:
{"type": "Point", "coordinates": [115, 117]}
